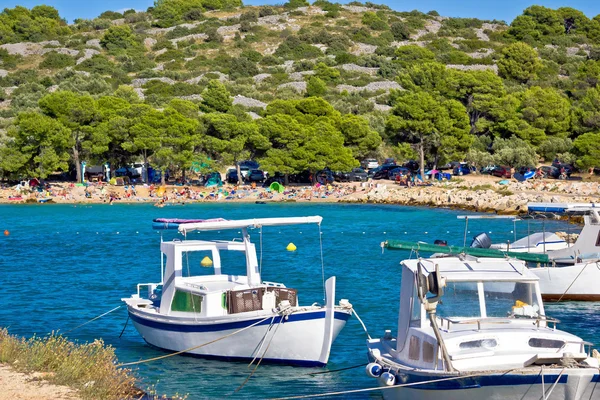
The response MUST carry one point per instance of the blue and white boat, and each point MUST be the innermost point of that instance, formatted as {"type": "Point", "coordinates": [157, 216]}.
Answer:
{"type": "Point", "coordinates": [473, 328]}
{"type": "Point", "coordinates": [232, 316]}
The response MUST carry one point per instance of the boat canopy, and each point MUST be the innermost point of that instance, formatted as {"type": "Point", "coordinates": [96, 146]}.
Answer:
{"type": "Point", "coordinates": [561, 207]}
{"type": "Point", "coordinates": [247, 223]}
{"type": "Point", "coordinates": [476, 252]}
{"type": "Point", "coordinates": [455, 269]}
{"type": "Point", "coordinates": [173, 223]}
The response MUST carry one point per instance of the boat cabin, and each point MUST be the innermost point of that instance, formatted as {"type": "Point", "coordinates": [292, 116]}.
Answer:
{"type": "Point", "coordinates": [487, 311]}
{"type": "Point", "coordinates": [187, 290]}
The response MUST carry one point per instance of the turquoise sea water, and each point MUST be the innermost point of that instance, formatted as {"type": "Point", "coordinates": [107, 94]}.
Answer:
{"type": "Point", "coordinates": [62, 265]}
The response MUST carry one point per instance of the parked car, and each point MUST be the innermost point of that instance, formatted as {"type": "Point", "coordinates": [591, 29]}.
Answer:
{"type": "Point", "coordinates": [341, 176]}
{"type": "Point", "coordinates": [383, 171]}
{"type": "Point", "coordinates": [302, 177]}
{"type": "Point", "coordinates": [231, 175]}
{"type": "Point", "coordinates": [526, 169]}
{"type": "Point", "coordinates": [412, 165]}
{"type": "Point", "coordinates": [255, 175]}
{"type": "Point", "coordinates": [369, 163]}
{"type": "Point", "coordinates": [249, 164]}
{"type": "Point", "coordinates": [550, 172]}
{"type": "Point", "coordinates": [487, 169]}
{"type": "Point", "coordinates": [462, 169]}
{"type": "Point", "coordinates": [358, 175]}
{"type": "Point", "coordinates": [502, 172]}
{"type": "Point", "coordinates": [325, 177]}
{"type": "Point", "coordinates": [389, 161]}
{"type": "Point", "coordinates": [398, 173]}
{"type": "Point", "coordinates": [569, 169]}
{"type": "Point", "coordinates": [128, 171]}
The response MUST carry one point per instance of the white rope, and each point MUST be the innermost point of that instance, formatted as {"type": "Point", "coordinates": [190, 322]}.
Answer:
{"type": "Point", "coordinates": [361, 322]}
{"type": "Point", "coordinates": [192, 348]}
{"type": "Point", "coordinates": [262, 341]}
{"type": "Point", "coordinates": [574, 280]}
{"type": "Point", "coordinates": [543, 385]}
{"type": "Point", "coordinates": [93, 319]}
{"type": "Point", "coordinates": [546, 395]}
{"type": "Point", "coordinates": [262, 357]}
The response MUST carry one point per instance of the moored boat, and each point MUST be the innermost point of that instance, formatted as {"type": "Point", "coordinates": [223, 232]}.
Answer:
{"type": "Point", "coordinates": [567, 271]}
{"type": "Point", "coordinates": [459, 337]}
{"type": "Point", "coordinates": [233, 316]}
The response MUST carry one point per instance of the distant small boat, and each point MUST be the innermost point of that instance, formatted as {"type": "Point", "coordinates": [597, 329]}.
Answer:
{"type": "Point", "coordinates": [459, 339]}
{"type": "Point", "coordinates": [232, 316]}
{"type": "Point", "coordinates": [43, 200]}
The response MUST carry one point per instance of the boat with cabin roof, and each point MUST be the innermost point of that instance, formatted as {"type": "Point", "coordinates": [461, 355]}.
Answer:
{"type": "Point", "coordinates": [567, 270]}
{"type": "Point", "coordinates": [459, 337]}
{"type": "Point", "coordinates": [228, 316]}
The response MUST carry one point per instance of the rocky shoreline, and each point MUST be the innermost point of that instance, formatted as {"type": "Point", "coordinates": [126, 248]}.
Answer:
{"type": "Point", "coordinates": [485, 194]}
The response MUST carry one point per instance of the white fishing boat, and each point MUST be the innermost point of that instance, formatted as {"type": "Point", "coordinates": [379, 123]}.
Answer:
{"type": "Point", "coordinates": [568, 270]}
{"type": "Point", "coordinates": [229, 316]}
{"type": "Point", "coordinates": [458, 338]}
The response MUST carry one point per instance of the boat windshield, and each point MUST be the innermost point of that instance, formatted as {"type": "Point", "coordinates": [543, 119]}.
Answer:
{"type": "Point", "coordinates": [500, 300]}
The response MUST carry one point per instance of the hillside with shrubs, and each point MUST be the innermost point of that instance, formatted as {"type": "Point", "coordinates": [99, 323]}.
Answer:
{"type": "Point", "coordinates": [295, 87]}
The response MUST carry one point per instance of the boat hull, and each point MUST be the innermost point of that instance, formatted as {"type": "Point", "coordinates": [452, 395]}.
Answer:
{"type": "Point", "coordinates": [297, 340]}
{"type": "Point", "coordinates": [580, 384]}
{"type": "Point", "coordinates": [574, 282]}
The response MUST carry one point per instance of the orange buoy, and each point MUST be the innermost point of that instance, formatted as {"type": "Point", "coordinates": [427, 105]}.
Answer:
{"type": "Point", "coordinates": [6, 232]}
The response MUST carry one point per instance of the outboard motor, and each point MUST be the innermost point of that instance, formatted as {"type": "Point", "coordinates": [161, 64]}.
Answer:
{"type": "Point", "coordinates": [481, 241]}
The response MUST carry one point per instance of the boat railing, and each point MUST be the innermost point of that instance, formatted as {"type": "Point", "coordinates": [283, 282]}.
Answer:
{"type": "Point", "coordinates": [151, 287]}
{"type": "Point", "coordinates": [497, 320]}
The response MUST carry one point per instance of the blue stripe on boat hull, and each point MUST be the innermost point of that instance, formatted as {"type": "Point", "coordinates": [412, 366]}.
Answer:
{"type": "Point", "coordinates": [232, 325]}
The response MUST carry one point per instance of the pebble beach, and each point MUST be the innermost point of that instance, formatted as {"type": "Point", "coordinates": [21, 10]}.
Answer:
{"type": "Point", "coordinates": [473, 192]}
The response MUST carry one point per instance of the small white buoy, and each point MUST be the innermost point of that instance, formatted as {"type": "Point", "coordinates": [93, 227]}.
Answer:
{"type": "Point", "coordinates": [426, 233]}
{"type": "Point", "coordinates": [117, 233]}
{"type": "Point", "coordinates": [373, 370]}
{"type": "Point", "coordinates": [388, 379]}
{"type": "Point", "coordinates": [291, 247]}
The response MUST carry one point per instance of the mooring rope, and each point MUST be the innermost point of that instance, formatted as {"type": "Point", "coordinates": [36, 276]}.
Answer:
{"type": "Point", "coordinates": [332, 371]}
{"type": "Point", "coordinates": [93, 319]}
{"type": "Point", "coordinates": [191, 348]}
{"type": "Point", "coordinates": [124, 326]}
{"type": "Point", "coordinates": [361, 322]}
{"type": "Point", "coordinates": [546, 395]}
{"type": "Point", "coordinates": [261, 358]}
{"type": "Point", "coordinates": [574, 280]}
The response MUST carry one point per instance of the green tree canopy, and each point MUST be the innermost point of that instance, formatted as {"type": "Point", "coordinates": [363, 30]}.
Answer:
{"type": "Point", "coordinates": [216, 97]}
{"type": "Point", "coordinates": [519, 61]}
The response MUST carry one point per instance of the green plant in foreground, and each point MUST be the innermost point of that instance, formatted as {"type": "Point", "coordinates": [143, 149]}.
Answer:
{"type": "Point", "coordinates": [90, 368]}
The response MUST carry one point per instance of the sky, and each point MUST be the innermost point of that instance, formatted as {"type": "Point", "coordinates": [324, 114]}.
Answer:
{"type": "Point", "coordinates": [505, 10]}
